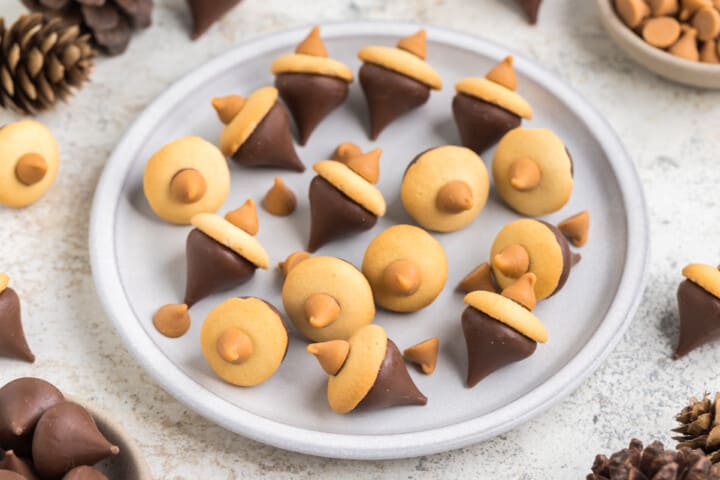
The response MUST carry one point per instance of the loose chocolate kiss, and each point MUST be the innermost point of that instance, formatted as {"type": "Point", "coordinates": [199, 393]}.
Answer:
{"type": "Point", "coordinates": [12, 336]}
{"type": "Point", "coordinates": [531, 8]}
{"type": "Point", "coordinates": [84, 472]}
{"type": "Point", "coordinates": [205, 13]}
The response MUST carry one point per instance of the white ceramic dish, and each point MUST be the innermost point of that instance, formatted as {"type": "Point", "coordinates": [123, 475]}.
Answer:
{"type": "Point", "coordinates": [138, 261]}
{"type": "Point", "coordinates": [695, 74]}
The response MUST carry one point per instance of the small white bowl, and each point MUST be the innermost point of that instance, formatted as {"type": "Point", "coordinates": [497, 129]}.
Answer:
{"type": "Point", "coordinates": [695, 74]}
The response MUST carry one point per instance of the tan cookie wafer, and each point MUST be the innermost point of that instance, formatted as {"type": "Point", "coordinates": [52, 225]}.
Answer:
{"type": "Point", "coordinates": [232, 237]}
{"type": "Point", "coordinates": [426, 266]}
{"type": "Point", "coordinates": [705, 276]}
{"type": "Point", "coordinates": [358, 375]}
{"type": "Point", "coordinates": [300, 63]}
{"type": "Point", "coordinates": [430, 173]}
{"type": "Point", "coordinates": [544, 252]}
{"type": "Point", "coordinates": [403, 62]}
{"type": "Point", "coordinates": [496, 94]}
{"type": "Point", "coordinates": [548, 153]}
{"type": "Point", "coordinates": [186, 155]}
{"type": "Point", "coordinates": [254, 110]}
{"type": "Point", "coordinates": [508, 312]}
{"type": "Point", "coordinates": [251, 329]}
{"type": "Point", "coordinates": [29, 143]}
{"type": "Point", "coordinates": [352, 185]}
{"type": "Point", "coordinates": [334, 278]}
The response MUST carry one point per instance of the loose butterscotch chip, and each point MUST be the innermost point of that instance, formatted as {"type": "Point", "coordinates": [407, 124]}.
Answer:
{"type": "Point", "coordinates": [689, 7]}
{"type": "Point", "coordinates": [415, 44]}
{"type": "Point", "coordinates": [512, 261]}
{"type": "Point", "coordinates": [245, 217]}
{"type": "Point", "coordinates": [321, 310]}
{"type": "Point", "coordinates": [173, 321]}
{"type": "Point", "coordinates": [280, 200]}
{"type": "Point", "coordinates": [524, 174]}
{"type": "Point", "coordinates": [331, 355]}
{"type": "Point", "coordinates": [292, 260]}
{"type": "Point", "coordinates": [228, 107]}
{"type": "Point", "coordinates": [402, 277]}
{"type": "Point", "coordinates": [687, 47]}
{"type": "Point", "coordinates": [664, 7]}
{"type": "Point", "coordinates": [455, 197]}
{"type": "Point", "coordinates": [710, 52]}
{"type": "Point", "coordinates": [188, 186]}
{"type": "Point", "coordinates": [707, 23]}
{"type": "Point", "coordinates": [366, 165]}
{"type": "Point", "coordinates": [424, 354]}
{"type": "Point", "coordinates": [632, 12]}
{"type": "Point", "coordinates": [31, 168]}
{"type": "Point", "coordinates": [479, 279]}
{"type": "Point", "coordinates": [345, 151]}
{"type": "Point", "coordinates": [661, 32]}
{"type": "Point", "coordinates": [523, 291]}
{"type": "Point", "coordinates": [576, 228]}
{"type": "Point", "coordinates": [312, 45]}
{"type": "Point", "coordinates": [504, 74]}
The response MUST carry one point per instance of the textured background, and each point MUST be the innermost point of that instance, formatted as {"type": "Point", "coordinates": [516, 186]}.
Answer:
{"type": "Point", "coordinates": [671, 132]}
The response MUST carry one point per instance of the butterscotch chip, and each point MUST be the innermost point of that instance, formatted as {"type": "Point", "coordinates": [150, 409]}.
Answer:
{"type": "Point", "coordinates": [689, 7]}
{"type": "Point", "coordinates": [31, 168]}
{"type": "Point", "coordinates": [321, 310]}
{"type": "Point", "coordinates": [454, 197]}
{"type": "Point", "coordinates": [523, 291]}
{"type": "Point", "coordinates": [710, 52]}
{"type": "Point", "coordinates": [424, 354]}
{"type": "Point", "coordinates": [524, 174]}
{"type": "Point", "coordinates": [312, 44]}
{"type": "Point", "coordinates": [331, 355]}
{"type": "Point", "coordinates": [345, 151]}
{"type": "Point", "coordinates": [504, 74]}
{"type": "Point", "coordinates": [415, 44]}
{"type": "Point", "coordinates": [664, 7]}
{"type": "Point", "coordinates": [292, 260]}
{"type": "Point", "coordinates": [661, 32]}
{"type": "Point", "coordinates": [173, 321]}
{"type": "Point", "coordinates": [228, 107]}
{"type": "Point", "coordinates": [188, 186]}
{"type": "Point", "coordinates": [686, 47]}
{"type": "Point", "coordinates": [632, 12]}
{"type": "Point", "coordinates": [576, 228]}
{"type": "Point", "coordinates": [280, 200]}
{"type": "Point", "coordinates": [245, 217]}
{"type": "Point", "coordinates": [367, 165]}
{"type": "Point", "coordinates": [707, 23]}
{"type": "Point", "coordinates": [479, 279]}
{"type": "Point", "coordinates": [512, 261]}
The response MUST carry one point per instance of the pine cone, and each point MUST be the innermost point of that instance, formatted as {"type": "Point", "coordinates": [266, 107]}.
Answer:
{"type": "Point", "coordinates": [654, 463]}
{"type": "Point", "coordinates": [111, 22]}
{"type": "Point", "coordinates": [701, 426]}
{"type": "Point", "coordinates": [40, 62]}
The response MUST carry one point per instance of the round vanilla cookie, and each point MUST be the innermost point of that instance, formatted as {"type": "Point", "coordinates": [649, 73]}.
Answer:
{"type": "Point", "coordinates": [182, 154]}
{"type": "Point", "coordinates": [555, 165]}
{"type": "Point", "coordinates": [547, 261]}
{"type": "Point", "coordinates": [262, 323]}
{"type": "Point", "coordinates": [358, 374]}
{"type": "Point", "coordinates": [406, 242]}
{"type": "Point", "coordinates": [341, 281]}
{"type": "Point", "coordinates": [254, 110]}
{"type": "Point", "coordinates": [234, 238]}
{"type": "Point", "coordinates": [302, 63]}
{"type": "Point", "coordinates": [433, 169]}
{"type": "Point", "coordinates": [352, 185]}
{"type": "Point", "coordinates": [508, 312]}
{"type": "Point", "coordinates": [496, 94]}
{"type": "Point", "coordinates": [705, 276]}
{"type": "Point", "coordinates": [19, 139]}
{"type": "Point", "coordinates": [403, 62]}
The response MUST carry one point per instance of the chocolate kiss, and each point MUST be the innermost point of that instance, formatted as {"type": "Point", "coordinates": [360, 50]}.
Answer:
{"type": "Point", "coordinates": [334, 214]}
{"type": "Point", "coordinates": [8, 475]}
{"type": "Point", "coordinates": [699, 317]}
{"type": "Point", "coordinates": [393, 385]}
{"type": "Point", "coordinates": [22, 402]}
{"type": "Point", "coordinates": [205, 13]}
{"type": "Point", "coordinates": [271, 143]}
{"type": "Point", "coordinates": [12, 336]}
{"type": "Point", "coordinates": [310, 98]}
{"type": "Point", "coordinates": [18, 465]}
{"type": "Point", "coordinates": [531, 8]}
{"type": "Point", "coordinates": [389, 94]}
{"type": "Point", "coordinates": [84, 472]}
{"type": "Point", "coordinates": [66, 436]}
{"type": "Point", "coordinates": [481, 124]}
{"type": "Point", "coordinates": [212, 267]}
{"type": "Point", "coordinates": [570, 259]}
{"type": "Point", "coordinates": [491, 345]}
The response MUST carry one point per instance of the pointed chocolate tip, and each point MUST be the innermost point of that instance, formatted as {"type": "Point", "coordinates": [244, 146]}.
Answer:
{"type": "Point", "coordinates": [531, 7]}
{"type": "Point", "coordinates": [13, 343]}
{"type": "Point", "coordinates": [393, 386]}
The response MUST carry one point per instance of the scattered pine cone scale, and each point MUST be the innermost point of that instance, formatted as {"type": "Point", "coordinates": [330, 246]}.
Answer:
{"type": "Point", "coordinates": [700, 426]}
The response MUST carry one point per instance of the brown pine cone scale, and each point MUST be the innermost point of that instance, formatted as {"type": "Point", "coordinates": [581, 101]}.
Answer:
{"type": "Point", "coordinates": [700, 426]}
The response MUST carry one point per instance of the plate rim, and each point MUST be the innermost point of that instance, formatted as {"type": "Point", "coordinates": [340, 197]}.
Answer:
{"type": "Point", "coordinates": [620, 313]}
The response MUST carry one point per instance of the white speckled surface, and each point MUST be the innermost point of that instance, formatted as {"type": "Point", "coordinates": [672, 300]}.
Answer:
{"type": "Point", "coordinates": [670, 130]}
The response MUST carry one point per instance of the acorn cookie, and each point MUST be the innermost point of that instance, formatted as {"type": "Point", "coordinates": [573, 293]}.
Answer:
{"type": "Point", "coordinates": [366, 371]}
{"type": "Point", "coordinates": [344, 199]}
{"type": "Point", "coordinates": [244, 340]}
{"type": "Point", "coordinates": [12, 336]}
{"type": "Point", "coordinates": [311, 84]}
{"type": "Point", "coordinates": [445, 188]}
{"type": "Point", "coordinates": [257, 130]}
{"type": "Point", "coordinates": [184, 178]}
{"type": "Point", "coordinates": [534, 246]}
{"type": "Point", "coordinates": [500, 329]}
{"type": "Point", "coordinates": [533, 171]}
{"type": "Point", "coordinates": [487, 108]}
{"type": "Point", "coordinates": [220, 256]}
{"type": "Point", "coordinates": [29, 161]}
{"type": "Point", "coordinates": [396, 80]}
{"type": "Point", "coordinates": [406, 267]}
{"type": "Point", "coordinates": [327, 298]}
{"type": "Point", "coordinates": [699, 304]}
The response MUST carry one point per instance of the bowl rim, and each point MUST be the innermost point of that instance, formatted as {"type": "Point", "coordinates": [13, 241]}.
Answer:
{"type": "Point", "coordinates": [613, 21]}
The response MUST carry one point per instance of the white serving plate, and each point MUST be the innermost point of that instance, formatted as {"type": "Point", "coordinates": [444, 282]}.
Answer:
{"type": "Point", "coordinates": [138, 261]}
